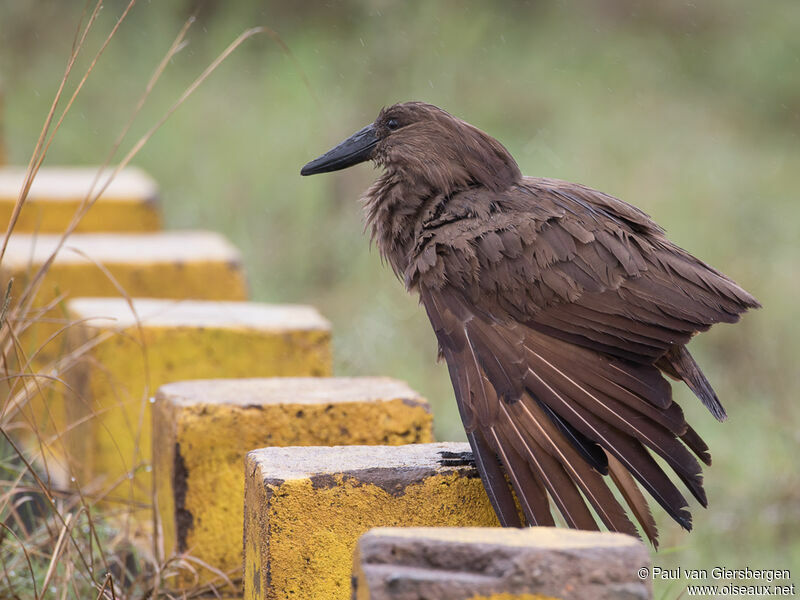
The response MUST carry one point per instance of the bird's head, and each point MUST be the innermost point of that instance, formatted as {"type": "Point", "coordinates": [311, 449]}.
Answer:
{"type": "Point", "coordinates": [425, 144]}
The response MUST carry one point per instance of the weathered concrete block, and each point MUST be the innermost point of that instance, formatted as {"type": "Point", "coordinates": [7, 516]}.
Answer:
{"type": "Point", "coordinates": [172, 341]}
{"type": "Point", "coordinates": [203, 429]}
{"type": "Point", "coordinates": [176, 264]}
{"type": "Point", "coordinates": [525, 564]}
{"type": "Point", "coordinates": [188, 264]}
{"type": "Point", "coordinates": [130, 203]}
{"type": "Point", "coordinates": [306, 507]}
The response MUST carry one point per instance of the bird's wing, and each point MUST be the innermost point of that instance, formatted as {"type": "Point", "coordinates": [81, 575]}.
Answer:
{"type": "Point", "coordinates": [556, 415]}
{"type": "Point", "coordinates": [580, 266]}
{"type": "Point", "coordinates": [577, 264]}
{"type": "Point", "coordinates": [556, 307]}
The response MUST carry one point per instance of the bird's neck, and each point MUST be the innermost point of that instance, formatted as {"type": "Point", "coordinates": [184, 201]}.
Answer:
{"type": "Point", "coordinates": [395, 207]}
{"type": "Point", "coordinates": [412, 189]}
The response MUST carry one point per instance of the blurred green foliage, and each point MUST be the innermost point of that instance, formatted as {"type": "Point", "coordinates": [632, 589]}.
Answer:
{"type": "Point", "coordinates": [689, 110]}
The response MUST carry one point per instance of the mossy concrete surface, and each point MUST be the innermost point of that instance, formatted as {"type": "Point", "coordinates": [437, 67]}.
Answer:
{"type": "Point", "coordinates": [537, 563]}
{"type": "Point", "coordinates": [171, 341]}
{"type": "Point", "coordinates": [306, 507]}
{"type": "Point", "coordinates": [203, 429]}
{"type": "Point", "coordinates": [129, 202]}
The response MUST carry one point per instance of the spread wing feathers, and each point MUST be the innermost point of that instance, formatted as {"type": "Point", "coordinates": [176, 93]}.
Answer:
{"type": "Point", "coordinates": [580, 266]}
{"type": "Point", "coordinates": [557, 309]}
{"type": "Point", "coordinates": [559, 416]}
{"type": "Point", "coordinates": [553, 378]}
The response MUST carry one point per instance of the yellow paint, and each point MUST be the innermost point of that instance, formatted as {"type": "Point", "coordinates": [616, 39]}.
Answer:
{"type": "Point", "coordinates": [215, 486]}
{"type": "Point", "coordinates": [307, 536]}
{"type": "Point", "coordinates": [115, 380]}
{"type": "Point", "coordinates": [128, 202]}
{"type": "Point", "coordinates": [207, 279]}
{"type": "Point", "coordinates": [45, 215]}
{"type": "Point", "coordinates": [202, 280]}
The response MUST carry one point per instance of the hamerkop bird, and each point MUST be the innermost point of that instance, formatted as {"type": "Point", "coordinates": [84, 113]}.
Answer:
{"type": "Point", "coordinates": [558, 308]}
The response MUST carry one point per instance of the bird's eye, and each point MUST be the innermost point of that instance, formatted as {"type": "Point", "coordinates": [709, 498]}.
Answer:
{"type": "Point", "coordinates": [392, 124]}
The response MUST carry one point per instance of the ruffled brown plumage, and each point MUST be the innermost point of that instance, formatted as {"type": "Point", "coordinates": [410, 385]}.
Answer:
{"type": "Point", "coordinates": [558, 310]}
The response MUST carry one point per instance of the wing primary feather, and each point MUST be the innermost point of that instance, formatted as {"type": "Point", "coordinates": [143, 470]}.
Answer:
{"type": "Point", "coordinates": [494, 481]}
{"type": "Point", "coordinates": [696, 445]}
{"type": "Point", "coordinates": [609, 411]}
{"type": "Point", "coordinates": [635, 499]}
{"type": "Point", "coordinates": [589, 450]}
{"type": "Point", "coordinates": [635, 457]}
{"type": "Point", "coordinates": [530, 493]}
{"type": "Point", "coordinates": [558, 484]}
{"type": "Point", "coordinates": [588, 480]}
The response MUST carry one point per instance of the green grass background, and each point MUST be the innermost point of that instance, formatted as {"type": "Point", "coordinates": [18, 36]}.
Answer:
{"type": "Point", "coordinates": [689, 110]}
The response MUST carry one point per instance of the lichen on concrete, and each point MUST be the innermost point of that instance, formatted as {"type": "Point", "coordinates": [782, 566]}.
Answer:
{"type": "Point", "coordinates": [216, 428]}
{"type": "Point", "coordinates": [307, 533]}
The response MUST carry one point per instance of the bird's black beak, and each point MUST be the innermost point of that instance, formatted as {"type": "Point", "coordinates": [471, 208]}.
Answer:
{"type": "Point", "coordinates": [355, 149]}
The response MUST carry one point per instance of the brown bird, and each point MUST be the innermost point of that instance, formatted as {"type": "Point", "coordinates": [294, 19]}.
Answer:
{"type": "Point", "coordinates": [558, 309]}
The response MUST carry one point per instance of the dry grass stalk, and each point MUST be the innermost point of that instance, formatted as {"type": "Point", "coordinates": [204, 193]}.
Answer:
{"type": "Point", "coordinates": [57, 539]}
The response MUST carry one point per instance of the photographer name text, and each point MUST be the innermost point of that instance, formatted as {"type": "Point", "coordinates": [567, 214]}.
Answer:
{"type": "Point", "coordinates": [721, 573]}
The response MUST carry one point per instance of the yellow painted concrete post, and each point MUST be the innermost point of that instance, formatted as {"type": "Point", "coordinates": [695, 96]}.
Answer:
{"type": "Point", "coordinates": [203, 429]}
{"type": "Point", "coordinates": [169, 341]}
{"type": "Point", "coordinates": [305, 508]}
{"type": "Point", "coordinates": [186, 264]}
{"type": "Point", "coordinates": [536, 563]}
{"type": "Point", "coordinates": [128, 204]}
{"type": "Point", "coordinates": [175, 264]}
